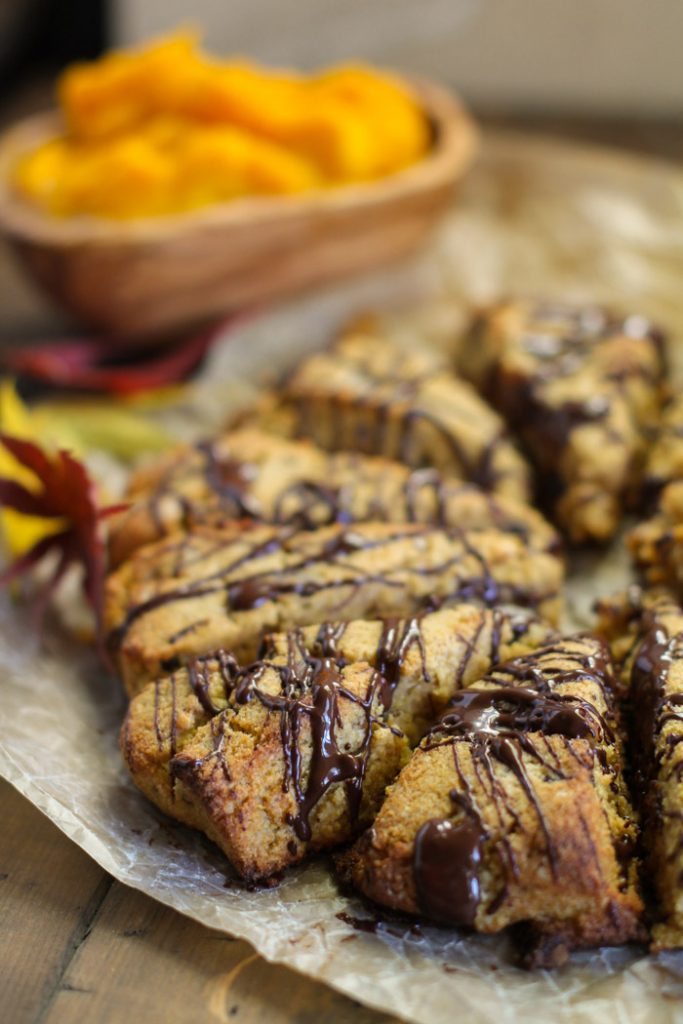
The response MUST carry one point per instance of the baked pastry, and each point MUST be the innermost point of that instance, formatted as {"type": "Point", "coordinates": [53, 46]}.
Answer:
{"type": "Point", "coordinates": [402, 672]}
{"type": "Point", "coordinates": [366, 395]}
{"type": "Point", "coordinates": [665, 456]}
{"type": "Point", "coordinates": [422, 662]}
{"type": "Point", "coordinates": [647, 628]}
{"type": "Point", "coordinates": [656, 544]}
{"type": "Point", "coordinates": [212, 588]}
{"type": "Point", "coordinates": [581, 387]}
{"type": "Point", "coordinates": [514, 810]}
{"type": "Point", "coordinates": [248, 473]}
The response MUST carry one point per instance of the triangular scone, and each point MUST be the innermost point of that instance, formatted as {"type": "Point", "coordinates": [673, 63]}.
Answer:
{"type": "Point", "coordinates": [582, 387]}
{"type": "Point", "coordinates": [365, 394]}
{"type": "Point", "coordinates": [652, 642]}
{"type": "Point", "coordinates": [422, 662]}
{"type": "Point", "coordinates": [514, 810]}
{"type": "Point", "coordinates": [208, 589]}
{"type": "Point", "coordinates": [250, 474]}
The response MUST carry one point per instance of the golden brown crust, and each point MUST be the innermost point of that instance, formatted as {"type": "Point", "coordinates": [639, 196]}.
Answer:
{"type": "Point", "coordinates": [534, 823]}
{"type": "Point", "coordinates": [208, 589]}
{"type": "Point", "coordinates": [248, 473]}
{"type": "Point", "coordinates": [581, 387]}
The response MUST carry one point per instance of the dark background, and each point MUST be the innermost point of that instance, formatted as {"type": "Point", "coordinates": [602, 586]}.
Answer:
{"type": "Point", "coordinates": [38, 37]}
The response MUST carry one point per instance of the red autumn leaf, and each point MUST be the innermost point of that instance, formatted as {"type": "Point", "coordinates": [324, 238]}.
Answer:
{"type": "Point", "coordinates": [100, 364]}
{"type": "Point", "coordinates": [67, 494]}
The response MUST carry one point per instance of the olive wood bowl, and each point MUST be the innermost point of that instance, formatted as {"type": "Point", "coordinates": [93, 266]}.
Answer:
{"type": "Point", "coordinates": [162, 275]}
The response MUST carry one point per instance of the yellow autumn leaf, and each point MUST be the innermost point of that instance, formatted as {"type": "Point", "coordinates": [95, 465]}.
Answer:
{"type": "Point", "coordinates": [119, 428]}
{"type": "Point", "coordinates": [20, 532]}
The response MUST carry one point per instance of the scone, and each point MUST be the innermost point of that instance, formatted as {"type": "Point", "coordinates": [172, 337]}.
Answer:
{"type": "Point", "coordinates": [213, 588]}
{"type": "Point", "coordinates": [656, 544]}
{"type": "Point", "coordinates": [665, 457]}
{"type": "Point", "coordinates": [648, 629]}
{"type": "Point", "coordinates": [297, 762]}
{"type": "Point", "coordinates": [581, 387]}
{"type": "Point", "coordinates": [366, 395]}
{"type": "Point", "coordinates": [250, 474]}
{"type": "Point", "coordinates": [513, 810]}
{"type": "Point", "coordinates": [422, 662]}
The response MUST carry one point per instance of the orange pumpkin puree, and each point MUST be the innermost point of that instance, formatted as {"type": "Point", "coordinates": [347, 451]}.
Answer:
{"type": "Point", "coordinates": [166, 129]}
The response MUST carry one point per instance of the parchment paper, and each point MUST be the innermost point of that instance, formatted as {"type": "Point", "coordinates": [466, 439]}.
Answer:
{"type": "Point", "coordinates": [536, 216]}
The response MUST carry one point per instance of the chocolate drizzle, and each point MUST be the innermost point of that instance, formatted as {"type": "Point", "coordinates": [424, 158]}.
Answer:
{"type": "Point", "coordinates": [646, 698]}
{"type": "Point", "coordinates": [455, 579]}
{"type": "Point", "coordinates": [229, 479]}
{"type": "Point", "coordinates": [395, 642]}
{"type": "Point", "coordinates": [512, 711]}
{"type": "Point", "coordinates": [313, 691]}
{"type": "Point", "coordinates": [209, 487]}
{"type": "Point", "coordinates": [447, 861]}
{"type": "Point", "coordinates": [311, 688]}
{"type": "Point", "coordinates": [329, 764]}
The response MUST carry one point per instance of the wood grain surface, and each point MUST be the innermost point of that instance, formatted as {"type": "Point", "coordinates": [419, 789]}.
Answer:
{"type": "Point", "coordinates": [76, 946]}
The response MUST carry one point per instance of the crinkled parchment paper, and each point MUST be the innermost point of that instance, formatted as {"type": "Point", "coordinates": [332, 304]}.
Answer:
{"type": "Point", "coordinates": [536, 216]}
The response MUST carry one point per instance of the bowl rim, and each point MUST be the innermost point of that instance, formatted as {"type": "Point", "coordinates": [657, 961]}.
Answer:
{"type": "Point", "coordinates": [455, 144]}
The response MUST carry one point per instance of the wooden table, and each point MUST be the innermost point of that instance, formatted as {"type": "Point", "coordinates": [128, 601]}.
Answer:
{"type": "Point", "coordinates": [75, 945]}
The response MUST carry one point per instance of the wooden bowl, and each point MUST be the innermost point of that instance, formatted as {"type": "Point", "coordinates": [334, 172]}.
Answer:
{"type": "Point", "coordinates": [165, 274]}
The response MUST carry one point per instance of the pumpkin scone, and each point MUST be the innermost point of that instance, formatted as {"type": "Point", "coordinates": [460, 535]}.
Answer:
{"type": "Point", "coordinates": [581, 387]}
{"type": "Point", "coordinates": [665, 457]}
{"type": "Point", "coordinates": [422, 661]}
{"type": "Point", "coordinates": [649, 628]}
{"type": "Point", "coordinates": [250, 474]}
{"type": "Point", "coordinates": [656, 544]}
{"type": "Point", "coordinates": [212, 588]}
{"type": "Point", "coordinates": [366, 395]}
{"type": "Point", "coordinates": [514, 811]}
